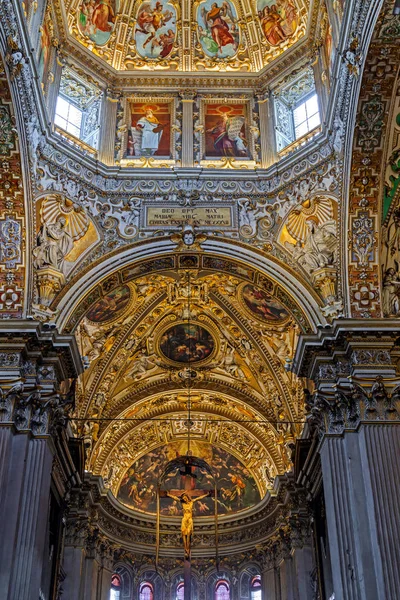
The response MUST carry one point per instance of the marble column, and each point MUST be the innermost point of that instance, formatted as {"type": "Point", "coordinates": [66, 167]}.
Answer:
{"type": "Point", "coordinates": [30, 415]}
{"type": "Point", "coordinates": [108, 125]}
{"type": "Point", "coordinates": [355, 412]}
{"type": "Point", "coordinates": [269, 154]}
{"type": "Point", "coordinates": [187, 128]}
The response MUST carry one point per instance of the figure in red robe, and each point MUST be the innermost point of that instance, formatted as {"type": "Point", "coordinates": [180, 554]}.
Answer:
{"type": "Point", "coordinates": [219, 27]}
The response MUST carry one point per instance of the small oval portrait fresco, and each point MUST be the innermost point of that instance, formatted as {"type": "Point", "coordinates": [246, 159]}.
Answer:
{"type": "Point", "coordinates": [111, 305]}
{"type": "Point", "coordinates": [262, 305]}
{"type": "Point", "coordinates": [187, 343]}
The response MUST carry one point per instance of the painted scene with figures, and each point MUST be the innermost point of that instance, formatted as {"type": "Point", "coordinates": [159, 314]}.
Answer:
{"type": "Point", "coordinates": [279, 19]}
{"type": "Point", "coordinates": [96, 19]}
{"type": "Point", "coordinates": [218, 29]}
{"type": "Point", "coordinates": [225, 131]}
{"type": "Point", "coordinates": [110, 306]}
{"type": "Point", "coordinates": [187, 343]}
{"type": "Point", "coordinates": [149, 133]}
{"type": "Point", "coordinates": [155, 30]}
{"type": "Point", "coordinates": [236, 486]}
{"type": "Point", "coordinates": [262, 305]}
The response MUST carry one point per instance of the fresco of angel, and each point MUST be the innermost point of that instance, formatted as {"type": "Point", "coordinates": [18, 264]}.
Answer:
{"type": "Point", "coordinates": [96, 19]}
{"type": "Point", "coordinates": [155, 29]}
{"type": "Point", "coordinates": [279, 19]}
{"type": "Point", "coordinates": [217, 28]}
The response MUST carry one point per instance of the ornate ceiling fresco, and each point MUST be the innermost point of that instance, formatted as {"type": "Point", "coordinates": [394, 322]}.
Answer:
{"type": "Point", "coordinates": [187, 284]}
{"type": "Point", "coordinates": [226, 35]}
{"type": "Point", "coordinates": [145, 341]}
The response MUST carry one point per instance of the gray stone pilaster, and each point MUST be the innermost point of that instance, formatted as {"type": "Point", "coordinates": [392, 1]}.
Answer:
{"type": "Point", "coordinates": [31, 415]}
{"type": "Point", "coordinates": [108, 126]}
{"type": "Point", "coordinates": [187, 128]}
{"type": "Point", "coordinates": [355, 414]}
{"type": "Point", "coordinates": [271, 584]}
{"type": "Point", "coordinates": [269, 154]}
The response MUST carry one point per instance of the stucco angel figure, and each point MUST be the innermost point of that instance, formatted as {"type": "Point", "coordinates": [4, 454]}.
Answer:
{"type": "Point", "coordinates": [53, 245]}
{"type": "Point", "coordinates": [140, 366]}
{"type": "Point", "coordinates": [320, 246]}
{"type": "Point", "coordinates": [187, 519]}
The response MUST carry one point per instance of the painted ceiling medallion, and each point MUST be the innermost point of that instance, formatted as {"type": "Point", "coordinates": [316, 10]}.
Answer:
{"type": "Point", "coordinates": [218, 28]}
{"type": "Point", "coordinates": [112, 305]}
{"type": "Point", "coordinates": [155, 30]}
{"type": "Point", "coordinates": [262, 305]}
{"type": "Point", "coordinates": [187, 343]}
{"type": "Point", "coordinates": [96, 19]}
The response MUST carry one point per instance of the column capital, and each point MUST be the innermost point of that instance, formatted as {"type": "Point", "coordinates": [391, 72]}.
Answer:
{"type": "Point", "coordinates": [188, 95]}
{"type": "Point", "coordinates": [349, 348]}
{"type": "Point", "coordinates": [38, 367]}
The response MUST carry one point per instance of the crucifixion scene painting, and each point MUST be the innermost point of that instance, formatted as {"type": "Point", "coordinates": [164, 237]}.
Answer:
{"type": "Point", "coordinates": [236, 485]}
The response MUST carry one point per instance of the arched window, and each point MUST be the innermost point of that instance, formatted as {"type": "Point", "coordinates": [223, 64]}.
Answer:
{"type": "Point", "coordinates": [146, 591]}
{"type": "Point", "coordinates": [222, 590]}
{"type": "Point", "coordinates": [180, 591]}
{"type": "Point", "coordinates": [255, 588]}
{"type": "Point", "coordinates": [115, 593]}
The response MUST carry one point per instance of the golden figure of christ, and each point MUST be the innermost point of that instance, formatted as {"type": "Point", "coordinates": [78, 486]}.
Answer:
{"type": "Point", "coordinates": [187, 519]}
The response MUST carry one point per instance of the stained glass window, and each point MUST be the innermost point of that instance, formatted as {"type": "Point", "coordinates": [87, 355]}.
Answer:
{"type": "Point", "coordinates": [255, 588]}
{"type": "Point", "coordinates": [115, 592]}
{"type": "Point", "coordinates": [146, 591]}
{"type": "Point", "coordinates": [222, 590]}
{"type": "Point", "coordinates": [180, 592]}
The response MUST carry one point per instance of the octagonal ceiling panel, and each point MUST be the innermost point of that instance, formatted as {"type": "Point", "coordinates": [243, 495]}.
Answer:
{"type": "Point", "coordinates": [182, 35]}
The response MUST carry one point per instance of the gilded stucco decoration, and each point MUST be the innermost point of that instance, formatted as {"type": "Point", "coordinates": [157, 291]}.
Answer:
{"type": "Point", "coordinates": [186, 328]}
{"type": "Point", "coordinates": [65, 234]}
{"type": "Point", "coordinates": [375, 138]}
{"type": "Point", "coordinates": [12, 207]}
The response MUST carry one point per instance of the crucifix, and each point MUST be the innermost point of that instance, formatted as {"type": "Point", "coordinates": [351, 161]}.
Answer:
{"type": "Point", "coordinates": [187, 497]}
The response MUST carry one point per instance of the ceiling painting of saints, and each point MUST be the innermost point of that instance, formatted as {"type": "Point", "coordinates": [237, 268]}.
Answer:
{"type": "Point", "coordinates": [187, 343]}
{"type": "Point", "coordinates": [236, 486]}
{"type": "Point", "coordinates": [262, 305]}
{"type": "Point", "coordinates": [155, 30]}
{"type": "Point", "coordinates": [149, 133]}
{"type": "Point", "coordinates": [96, 19]}
{"type": "Point", "coordinates": [111, 306]}
{"type": "Point", "coordinates": [218, 29]}
{"type": "Point", "coordinates": [279, 19]}
{"type": "Point", "coordinates": [225, 131]}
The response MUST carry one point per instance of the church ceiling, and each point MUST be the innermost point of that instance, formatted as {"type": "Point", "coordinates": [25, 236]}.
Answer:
{"type": "Point", "coordinates": [156, 345]}
{"type": "Point", "coordinates": [181, 35]}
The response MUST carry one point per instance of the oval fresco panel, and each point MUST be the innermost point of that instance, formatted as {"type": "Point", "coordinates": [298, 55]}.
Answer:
{"type": "Point", "coordinates": [187, 343]}
{"type": "Point", "coordinates": [262, 305]}
{"type": "Point", "coordinates": [218, 28]}
{"type": "Point", "coordinates": [155, 30]}
{"type": "Point", "coordinates": [96, 19]}
{"type": "Point", "coordinates": [237, 487]}
{"type": "Point", "coordinates": [279, 19]}
{"type": "Point", "coordinates": [110, 306]}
